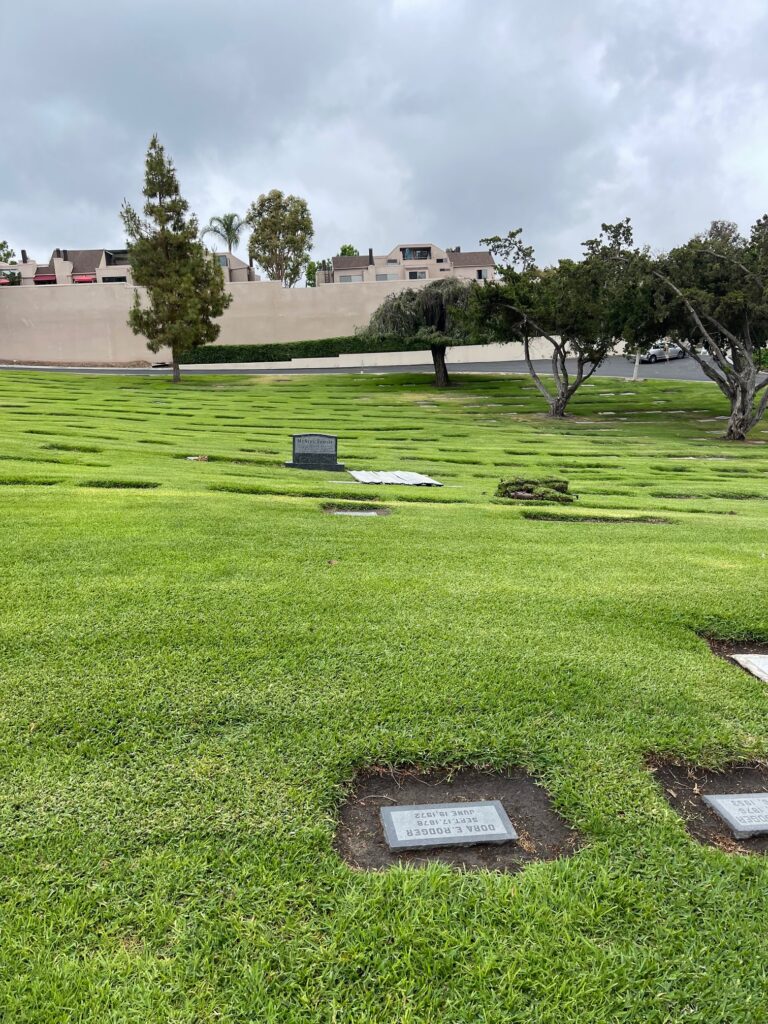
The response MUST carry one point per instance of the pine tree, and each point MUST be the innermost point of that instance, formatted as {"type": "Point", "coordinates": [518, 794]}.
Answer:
{"type": "Point", "coordinates": [184, 283]}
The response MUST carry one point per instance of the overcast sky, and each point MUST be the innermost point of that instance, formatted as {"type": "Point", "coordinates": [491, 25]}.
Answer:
{"type": "Point", "coordinates": [399, 121]}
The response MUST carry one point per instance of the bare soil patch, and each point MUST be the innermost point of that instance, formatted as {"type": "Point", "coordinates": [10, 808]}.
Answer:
{"type": "Point", "coordinates": [555, 517]}
{"type": "Point", "coordinates": [685, 784]}
{"type": "Point", "coordinates": [727, 648]}
{"type": "Point", "coordinates": [351, 508]}
{"type": "Point", "coordinates": [136, 485]}
{"type": "Point", "coordinates": [543, 833]}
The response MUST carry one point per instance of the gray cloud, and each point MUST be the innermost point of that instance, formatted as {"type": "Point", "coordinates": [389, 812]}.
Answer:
{"type": "Point", "coordinates": [436, 120]}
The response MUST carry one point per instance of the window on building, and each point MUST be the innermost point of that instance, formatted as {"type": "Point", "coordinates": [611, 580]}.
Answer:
{"type": "Point", "coordinates": [416, 275]}
{"type": "Point", "coordinates": [416, 254]}
{"type": "Point", "coordinates": [387, 277]}
{"type": "Point", "coordinates": [391, 261]}
{"type": "Point", "coordinates": [223, 261]}
{"type": "Point", "coordinates": [113, 280]}
{"type": "Point", "coordinates": [440, 259]}
{"type": "Point", "coordinates": [350, 278]}
{"type": "Point", "coordinates": [482, 274]}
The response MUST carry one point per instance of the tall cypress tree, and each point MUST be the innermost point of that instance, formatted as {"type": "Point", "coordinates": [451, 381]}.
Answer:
{"type": "Point", "coordinates": [184, 283]}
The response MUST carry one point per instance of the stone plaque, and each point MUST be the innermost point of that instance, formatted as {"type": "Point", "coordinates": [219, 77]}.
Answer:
{"type": "Point", "coordinates": [420, 826]}
{"type": "Point", "coordinates": [746, 814]}
{"type": "Point", "coordinates": [757, 664]}
{"type": "Point", "coordinates": [315, 451]}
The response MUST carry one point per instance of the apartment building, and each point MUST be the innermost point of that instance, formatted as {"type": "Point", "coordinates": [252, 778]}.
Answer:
{"type": "Point", "coordinates": [102, 266]}
{"type": "Point", "coordinates": [420, 262]}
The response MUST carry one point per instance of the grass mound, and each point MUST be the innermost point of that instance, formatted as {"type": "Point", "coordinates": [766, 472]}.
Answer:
{"type": "Point", "coordinates": [546, 489]}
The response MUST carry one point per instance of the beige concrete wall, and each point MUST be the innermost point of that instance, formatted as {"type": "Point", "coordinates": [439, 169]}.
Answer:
{"type": "Point", "coordinates": [69, 323]}
{"type": "Point", "coordinates": [84, 323]}
{"type": "Point", "coordinates": [455, 357]}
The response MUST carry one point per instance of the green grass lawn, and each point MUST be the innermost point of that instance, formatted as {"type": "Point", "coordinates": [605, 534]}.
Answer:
{"type": "Point", "coordinates": [192, 670]}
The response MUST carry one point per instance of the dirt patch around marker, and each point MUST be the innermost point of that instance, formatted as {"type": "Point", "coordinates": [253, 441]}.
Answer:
{"type": "Point", "coordinates": [554, 517]}
{"type": "Point", "coordinates": [684, 785]}
{"type": "Point", "coordinates": [543, 833]}
{"type": "Point", "coordinates": [727, 648]}
{"type": "Point", "coordinates": [20, 481]}
{"type": "Point", "coordinates": [134, 485]}
{"type": "Point", "coordinates": [344, 508]}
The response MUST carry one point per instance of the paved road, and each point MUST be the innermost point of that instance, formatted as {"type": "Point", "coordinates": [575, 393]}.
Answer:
{"type": "Point", "coordinates": [615, 366]}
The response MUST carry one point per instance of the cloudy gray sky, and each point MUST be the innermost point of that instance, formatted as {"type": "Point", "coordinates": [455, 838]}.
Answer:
{"type": "Point", "coordinates": [400, 120]}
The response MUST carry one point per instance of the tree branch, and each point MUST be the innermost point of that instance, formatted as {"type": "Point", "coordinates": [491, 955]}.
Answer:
{"type": "Point", "coordinates": [534, 376]}
{"type": "Point", "coordinates": [718, 374]}
{"type": "Point", "coordinates": [762, 405]}
{"type": "Point", "coordinates": [736, 263]}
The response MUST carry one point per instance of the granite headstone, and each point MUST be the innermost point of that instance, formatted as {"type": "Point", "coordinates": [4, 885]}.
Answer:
{"type": "Point", "coordinates": [420, 826]}
{"type": "Point", "coordinates": [315, 451]}
{"type": "Point", "coordinates": [757, 664]}
{"type": "Point", "coordinates": [746, 814]}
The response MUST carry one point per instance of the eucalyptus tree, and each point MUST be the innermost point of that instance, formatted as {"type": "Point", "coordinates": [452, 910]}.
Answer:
{"type": "Point", "coordinates": [183, 283]}
{"type": "Point", "coordinates": [228, 228]}
{"type": "Point", "coordinates": [281, 235]}
{"type": "Point", "coordinates": [433, 314]}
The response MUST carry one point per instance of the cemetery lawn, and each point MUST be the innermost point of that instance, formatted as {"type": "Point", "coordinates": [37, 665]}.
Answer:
{"type": "Point", "coordinates": [196, 659]}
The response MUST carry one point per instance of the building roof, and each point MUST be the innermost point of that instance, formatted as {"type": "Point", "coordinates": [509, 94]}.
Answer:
{"type": "Point", "coordinates": [84, 261]}
{"type": "Point", "coordinates": [350, 262]}
{"type": "Point", "coordinates": [471, 259]}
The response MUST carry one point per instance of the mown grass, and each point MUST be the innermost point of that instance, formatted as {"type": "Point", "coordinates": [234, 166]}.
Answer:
{"type": "Point", "coordinates": [191, 678]}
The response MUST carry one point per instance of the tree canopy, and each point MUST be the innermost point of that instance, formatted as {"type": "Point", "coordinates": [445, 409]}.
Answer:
{"type": "Point", "coordinates": [578, 307]}
{"type": "Point", "coordinates": [184, 283]}
{"type": "Point", "coordinates": [281, 235]}
{"type": "Point", "coordinates": [433, 313]}
{"type": "Point", "coordinates": [712, 299]}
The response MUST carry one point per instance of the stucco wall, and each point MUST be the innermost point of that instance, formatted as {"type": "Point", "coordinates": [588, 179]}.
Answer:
{"type": "Point", "coordinates": [84, 323]}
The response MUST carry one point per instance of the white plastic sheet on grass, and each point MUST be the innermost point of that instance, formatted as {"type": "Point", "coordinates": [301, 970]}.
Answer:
{"type": "Point", "coordinates": [399, 477]}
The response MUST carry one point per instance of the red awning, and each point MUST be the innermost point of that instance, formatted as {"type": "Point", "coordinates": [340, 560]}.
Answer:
{"type": "Point", "coordinates": [44, 277]}
{"type": "Point", "coordinates": [84, 278]}
{"type": "Point", "coordinates": [4, 280]}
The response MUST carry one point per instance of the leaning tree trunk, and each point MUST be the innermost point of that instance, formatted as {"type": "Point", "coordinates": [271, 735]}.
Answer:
{"type": "Point", "coordinates": [441, 370]}
{"type": "Point", "coordinates": [558, 404]}
{"type": "Point", "coordinates": [176, 370]}
{"type": "Point", "coordinates": [742, 416]}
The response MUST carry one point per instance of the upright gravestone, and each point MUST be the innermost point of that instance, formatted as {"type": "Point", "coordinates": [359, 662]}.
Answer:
{"type": "Point", "coordinates": [315, 451]}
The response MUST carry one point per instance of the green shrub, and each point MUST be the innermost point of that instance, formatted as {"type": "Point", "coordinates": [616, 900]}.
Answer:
{"type": "Point", "coordinates": [280, 351]}
{"type": "Point", "coordinates": [526, 489]}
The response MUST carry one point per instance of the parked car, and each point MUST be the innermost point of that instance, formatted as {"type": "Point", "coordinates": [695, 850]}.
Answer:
{"type": "Point", "coordinates": [662, 351]}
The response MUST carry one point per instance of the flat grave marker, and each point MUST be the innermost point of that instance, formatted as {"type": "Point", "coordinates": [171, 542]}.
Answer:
{"type": "Point", "coordinates": [757, 664]}
{"type": "Point", "coordinates": [421, 826]}
{"type": "Point", "coordinates": [315, 451]}
{"type": "Point", "coordinates": [746, 814]}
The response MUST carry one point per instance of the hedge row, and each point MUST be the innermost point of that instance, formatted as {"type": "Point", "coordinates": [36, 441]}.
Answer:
{"type": "Point", "coordinates": [280, 351]}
